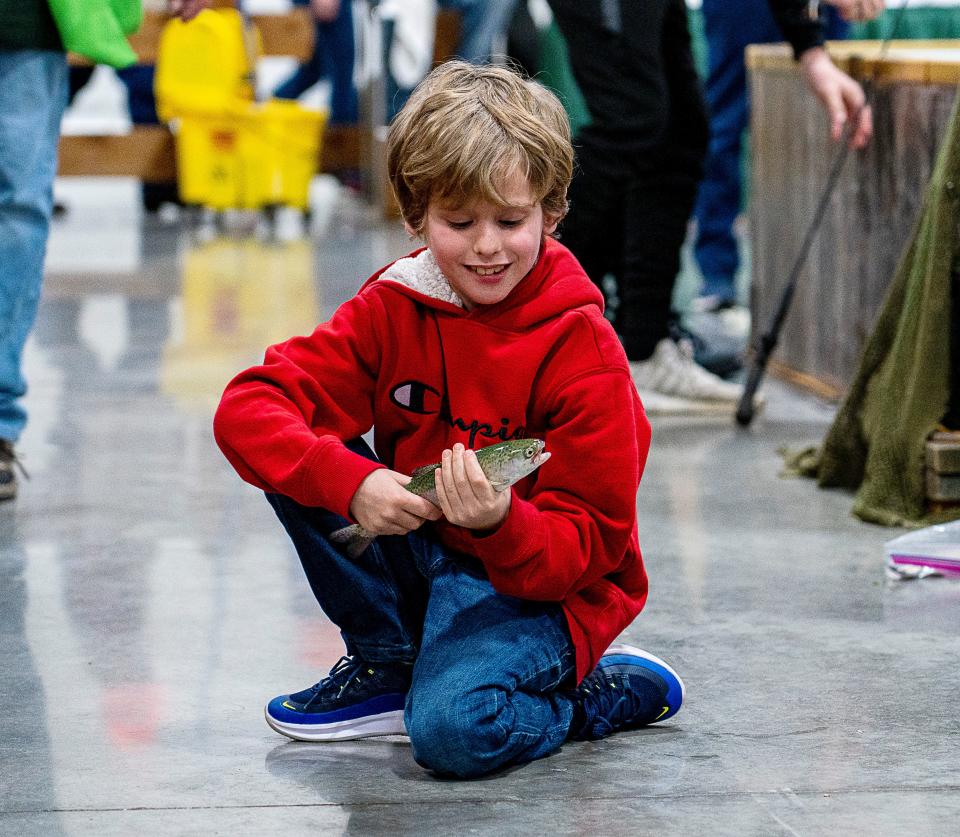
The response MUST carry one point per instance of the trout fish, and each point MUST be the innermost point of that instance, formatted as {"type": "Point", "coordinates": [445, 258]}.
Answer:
{"type": "Point", "coordinates": [503, 464]}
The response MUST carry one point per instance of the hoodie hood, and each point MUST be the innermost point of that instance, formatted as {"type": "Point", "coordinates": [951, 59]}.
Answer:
{"type": "Point", "coordinates": [421, 273]}
{"type": "Point", "coordinates": [556, 283]}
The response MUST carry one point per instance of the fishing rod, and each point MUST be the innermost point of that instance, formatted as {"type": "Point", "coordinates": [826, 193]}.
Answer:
{"type": "Point", "coordinates": [767, 340]}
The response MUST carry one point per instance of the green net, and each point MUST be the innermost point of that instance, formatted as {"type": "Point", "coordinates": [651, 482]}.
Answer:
{"type": "Point", "coordinates": [877, 443]}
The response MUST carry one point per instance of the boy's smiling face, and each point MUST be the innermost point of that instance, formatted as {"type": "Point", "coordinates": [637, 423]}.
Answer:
{"type": "Point", "coordinates": [485, 249]}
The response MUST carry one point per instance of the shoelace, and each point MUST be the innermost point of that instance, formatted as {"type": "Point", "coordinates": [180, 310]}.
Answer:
{"type": "Point", "coordinates": [343, 673]}
{"type": "Point", "coordinates": [608, 702]}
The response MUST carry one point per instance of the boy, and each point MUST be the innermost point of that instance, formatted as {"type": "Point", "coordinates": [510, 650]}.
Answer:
{"type": "Point", "coordinates": [469, 625]}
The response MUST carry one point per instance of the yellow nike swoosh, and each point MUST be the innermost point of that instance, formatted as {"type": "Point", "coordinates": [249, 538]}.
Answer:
{"type": "Point", "coordinates": [294, 707]}
{"type": "Point", "coordinates": [666, 709]}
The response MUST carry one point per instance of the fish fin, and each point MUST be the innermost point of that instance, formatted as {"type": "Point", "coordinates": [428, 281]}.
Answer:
{"type": "Point", "coordinates": [353, 538]}
{"type": "Point", "coordinates": [423, 469]}
{"type": "Point", "coordinates": [356, 548]}
{"type": "Point", "coordinates": [347, 533]}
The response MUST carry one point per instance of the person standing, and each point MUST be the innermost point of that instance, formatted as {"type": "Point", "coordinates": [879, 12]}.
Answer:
{"type": "Point", "coordinates": [333, 57]}
{"type": "Point", "coordinates": [640, 162]}
{"type": "Point", "coordinates": [33, 95]}
{"type": "Point", "coordinates": [730, 26]}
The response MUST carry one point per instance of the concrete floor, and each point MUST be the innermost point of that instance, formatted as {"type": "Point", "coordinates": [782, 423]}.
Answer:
{"type": "Point", "coordinates": [150, 604]}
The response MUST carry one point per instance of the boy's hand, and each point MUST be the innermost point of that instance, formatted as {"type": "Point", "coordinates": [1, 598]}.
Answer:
{"type": "Point", "coordinates": [466, 495]}
{"type": "Point", "coordinates": [383, 506]}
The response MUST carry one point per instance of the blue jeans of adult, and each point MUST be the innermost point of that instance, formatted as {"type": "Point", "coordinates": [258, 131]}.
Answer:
{"type": "Point", "coordinates": [489, 670]}
{"type": "Point", "coordinates": [730, 26]}
{"type": "Point", "coordinates": [482, 23]}
{"type": "Point", "coordinates": [33, 95]}
{"type": "Point", "coordinates": [333, 58]}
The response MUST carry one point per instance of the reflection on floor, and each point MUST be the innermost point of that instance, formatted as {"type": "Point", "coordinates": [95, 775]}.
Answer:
{"type": "Point", "coordinates": [149, 602]}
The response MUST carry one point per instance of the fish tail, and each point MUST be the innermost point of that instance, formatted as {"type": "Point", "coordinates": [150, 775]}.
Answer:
{"type": "Point", "coordinates": [354, 538]}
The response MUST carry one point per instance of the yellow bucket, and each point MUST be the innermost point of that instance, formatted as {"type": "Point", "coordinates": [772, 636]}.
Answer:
{"type": "Point", "coordinates": [249, 157]}
{"type": "Point", "coordinates": [213, 161]}
{"type": "Point", "coordinates": [205, 65]}
{"type": "Point", "coordinates": [232, 153]}
{"type": "Point", "coordinates": [291, 134]}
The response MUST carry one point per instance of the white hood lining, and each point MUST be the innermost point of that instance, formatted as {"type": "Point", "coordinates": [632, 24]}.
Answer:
{"type": "Point", "coordinates": [422, 274]}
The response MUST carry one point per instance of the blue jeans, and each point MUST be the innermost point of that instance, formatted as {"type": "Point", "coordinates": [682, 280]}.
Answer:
{"type": "Point", "coordinates": [489, 670]}
{"type": "Point", "coordinates": [333, 58]}
{"type": "Point", "coordinates": [730, 25]}
{"type": "Point", "coordinates": [33, 95]}
{"type": "Point", "coordinates": [482, 22]}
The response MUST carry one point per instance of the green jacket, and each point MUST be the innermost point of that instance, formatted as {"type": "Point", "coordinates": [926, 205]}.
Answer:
{"type": "Point", "coordinates": [28, 24]}
{"type": "Point", "coordinates": [95, 29]}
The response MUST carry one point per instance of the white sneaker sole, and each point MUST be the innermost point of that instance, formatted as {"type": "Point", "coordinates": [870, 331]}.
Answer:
{"type": "Point", "coordinates": [387, 723]}
{"type": "Point", "coordinates": [657, 404]}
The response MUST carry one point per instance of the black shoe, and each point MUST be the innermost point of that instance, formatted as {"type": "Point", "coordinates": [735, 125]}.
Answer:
{"type": "Point", "coordinates": [155, 195]}
{"type": "Point", "coordinates": [9, 463]}
{"type": "Point", "coordinates": [721, 355]}
{"type": "Point", "coordinates": [355, 700]}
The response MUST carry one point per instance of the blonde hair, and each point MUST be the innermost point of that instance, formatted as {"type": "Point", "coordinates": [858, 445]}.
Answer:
{"type": "Point", "coordinates": [466, 129]}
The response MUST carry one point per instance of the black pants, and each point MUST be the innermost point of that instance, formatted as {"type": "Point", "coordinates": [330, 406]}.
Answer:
{"type": "Point", "coordinates": [640, 160]}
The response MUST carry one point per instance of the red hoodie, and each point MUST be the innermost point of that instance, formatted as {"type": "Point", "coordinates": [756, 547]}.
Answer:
{"type": "Point", "coordinates": [425, 374]}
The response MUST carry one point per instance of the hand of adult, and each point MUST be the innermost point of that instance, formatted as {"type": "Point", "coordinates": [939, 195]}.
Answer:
{"type": "Point", "coordinates": [842, 97]}
{"type": "Point", "coordinates": [858, 10]}
{"type": "Point", "coordinates": [325, 10]}
{"type": "Point", "coordinates": [466, 496]}
{"type": "Point", "coordinates": [384, 507]}
{"type": "Point", "coordinates": [187, 9]}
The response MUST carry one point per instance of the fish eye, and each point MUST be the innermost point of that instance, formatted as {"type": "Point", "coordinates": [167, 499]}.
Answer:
{"type": "Point", "coordinates": [530, 452]}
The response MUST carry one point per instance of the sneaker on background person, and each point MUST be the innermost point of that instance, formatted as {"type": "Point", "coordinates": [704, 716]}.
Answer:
{"type": "Point", "coordinates": [355, 700]}
{"type": "Point", "coordinates": [629, 688]}
{"type": "Point", "coordinates": [722, 315]}
{"type": "Point", "coordinates": [9, 465]}
{"type": "Point", "coordinates": [670, 382]}
{"type": "Point", "coordinates": [713, 348]}
{"type": "Point", "coordinates": [720, 330]}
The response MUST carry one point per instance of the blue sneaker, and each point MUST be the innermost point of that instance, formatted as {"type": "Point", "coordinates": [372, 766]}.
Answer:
{"type": "Point", "coordinates": [355, 700]}
{"type": "Point", "coordinates": [629, 688]}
